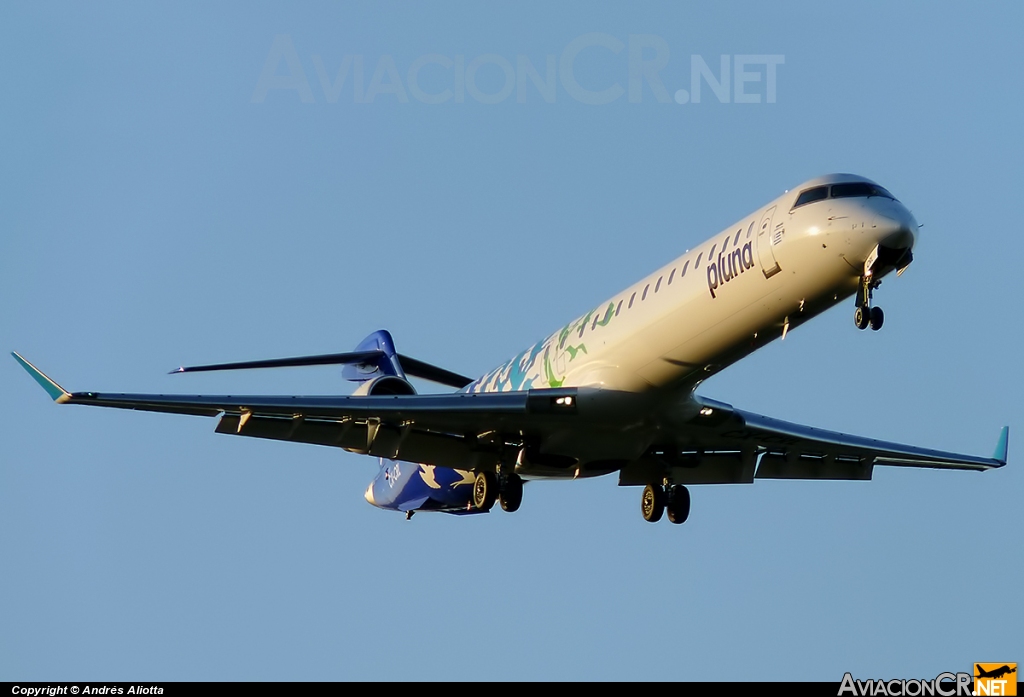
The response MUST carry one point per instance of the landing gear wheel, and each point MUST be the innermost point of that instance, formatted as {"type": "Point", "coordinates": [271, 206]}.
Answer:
{"type": "Point", "coordinates": [877, 318]}
{"type": "Point", "coordinates": [511, 494]}
{"type": "Point", "coordinates": [862, 317]}
{"type": "Point", "coordinates": [652, 504]}
{"type": "Point", "coordinates": [485, 490]}
{"type": "Point", "coordinates": [678, 506]}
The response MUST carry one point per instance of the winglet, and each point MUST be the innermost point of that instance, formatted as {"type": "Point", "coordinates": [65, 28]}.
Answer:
{"type": "Point", "coordinates": [1002, 445]}
{"type": "Point", "coordinates": [59, 394]}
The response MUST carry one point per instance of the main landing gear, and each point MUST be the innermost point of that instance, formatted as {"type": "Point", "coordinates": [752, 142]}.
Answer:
{"type": "Point", "coordinates": [672, 499]}
{"type": "Point", "coordinates": [865, 315]}
{"type": "Point", "coordinates": [489, 487]}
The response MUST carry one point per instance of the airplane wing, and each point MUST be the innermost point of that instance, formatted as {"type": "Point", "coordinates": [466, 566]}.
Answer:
{"type": "Point", "coordinates": [724, 445]}
{"type": "Point", "coordinates": [439, 429]}
{"type": "Point", "coordinates": [719, 445]}
{"type": "Point", "coordinates": [815, 442]}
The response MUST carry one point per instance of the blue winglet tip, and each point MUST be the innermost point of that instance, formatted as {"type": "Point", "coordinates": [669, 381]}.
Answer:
{"type": "Point", "coordinates": [58, 393]}
{"type": "Point", "coordinates": [1003, 445]}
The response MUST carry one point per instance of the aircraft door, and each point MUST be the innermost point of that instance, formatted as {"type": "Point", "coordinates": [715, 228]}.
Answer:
{"type": "Point", "coordinates": [765, 255]}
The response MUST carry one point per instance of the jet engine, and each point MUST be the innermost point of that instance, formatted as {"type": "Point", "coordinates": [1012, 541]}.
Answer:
{"type": "Point", "coordinates": [385, 385]}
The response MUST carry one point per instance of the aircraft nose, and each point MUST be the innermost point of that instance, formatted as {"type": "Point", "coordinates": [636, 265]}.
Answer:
{"type": "Point", "coordinates": [369, 495]}
{"type": "Point", "coordinates": [896, 229]}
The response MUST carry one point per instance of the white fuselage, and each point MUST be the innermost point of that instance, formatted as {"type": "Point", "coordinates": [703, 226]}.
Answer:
{"type": "Point", "coordinates": [721, 300]}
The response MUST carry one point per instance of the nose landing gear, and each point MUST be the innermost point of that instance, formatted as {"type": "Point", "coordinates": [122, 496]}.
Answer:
{"type": "Point", "coordinates": [658, 499]}
{"type": "Point", "coordinates": [877, 317]}
{"type": "Point", "coordinates": [865, 315]}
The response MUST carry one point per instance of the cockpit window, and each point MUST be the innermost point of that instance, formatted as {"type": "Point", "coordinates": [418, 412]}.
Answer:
{"type": "Point", "coordinates": [858, 189]}
{"type": "Point", "coordinates": [818, 193]}
{"type": "Point", "coordinates": [847, 190]}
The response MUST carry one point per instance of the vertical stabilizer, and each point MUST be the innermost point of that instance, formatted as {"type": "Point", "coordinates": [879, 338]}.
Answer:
{"type": "Point", "coordinates": [386, 364]}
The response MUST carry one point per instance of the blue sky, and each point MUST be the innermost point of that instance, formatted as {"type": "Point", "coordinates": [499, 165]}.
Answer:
{"type": "Point", "coordinates": [155, 211]}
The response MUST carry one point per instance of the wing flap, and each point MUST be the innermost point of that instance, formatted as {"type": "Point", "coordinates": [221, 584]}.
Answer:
{"type": "Point", "coordinates": [773, 466]}
{"type": "Point", "coordinates": [396, 443]}
{"type": "Point", "coordinates": [296, 430]}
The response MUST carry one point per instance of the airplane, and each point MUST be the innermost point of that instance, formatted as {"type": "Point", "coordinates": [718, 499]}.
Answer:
{"type": "Point", "coordinates": [614, 390]}
{"type": "Point", "coordinates": [995, 673]}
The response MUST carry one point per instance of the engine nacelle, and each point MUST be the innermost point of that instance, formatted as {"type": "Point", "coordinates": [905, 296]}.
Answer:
{"type": "Point", "coordinates": [385, 385]}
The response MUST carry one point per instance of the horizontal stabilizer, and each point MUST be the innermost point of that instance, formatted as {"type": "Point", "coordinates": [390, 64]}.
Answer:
{"type": "Point", "coordinates": [412, 366]}
{"type": "Point", "coordinates": [426, 371]}
{"type": "Point", "coordinates": [322, 359]}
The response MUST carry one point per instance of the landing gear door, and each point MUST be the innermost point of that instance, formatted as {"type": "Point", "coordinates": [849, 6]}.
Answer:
{"type": "Point", "coordinates": [765, 255]}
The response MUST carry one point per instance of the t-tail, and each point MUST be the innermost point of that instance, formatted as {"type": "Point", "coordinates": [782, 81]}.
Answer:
{"type": "Point", "coordinates": [383, 359]}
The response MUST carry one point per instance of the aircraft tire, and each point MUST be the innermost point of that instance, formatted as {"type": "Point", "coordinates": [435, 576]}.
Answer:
{"type": "Point", "coordinates": [511, 495]}
{"type": "Point", "coordinates": [678, 506]}
{"type": "Point", "coordinates": [652, 503]}
{"type": "Point", "coordinates": [877, 318]}
{"type": "Point", "coordinates": [862, 317]}
{"type": "Point", "coordinates": [485, 491]}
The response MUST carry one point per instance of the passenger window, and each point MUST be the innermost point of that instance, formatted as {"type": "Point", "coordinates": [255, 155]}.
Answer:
{"type": "Point", "coordinates": [657, 286]}
{"type": "Point", "coordinates": [671, 276]}
{"type": "Point", "coordinates": [818, 193]}
{"type": "Point", "coordinates": [617, 308]}
{"type": "Point", "coordinates": [631, 299]}
{"type": "Point", "coordinates": [712, 254]}
{"type": "Point", "coordinates": [736, 240]}
{"type": "Point", "coordinates": [683, 272]}
{"type": "Point", "coordinates": [646, 288]}
{"type": "Point", "coordinates": [750, 229]}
